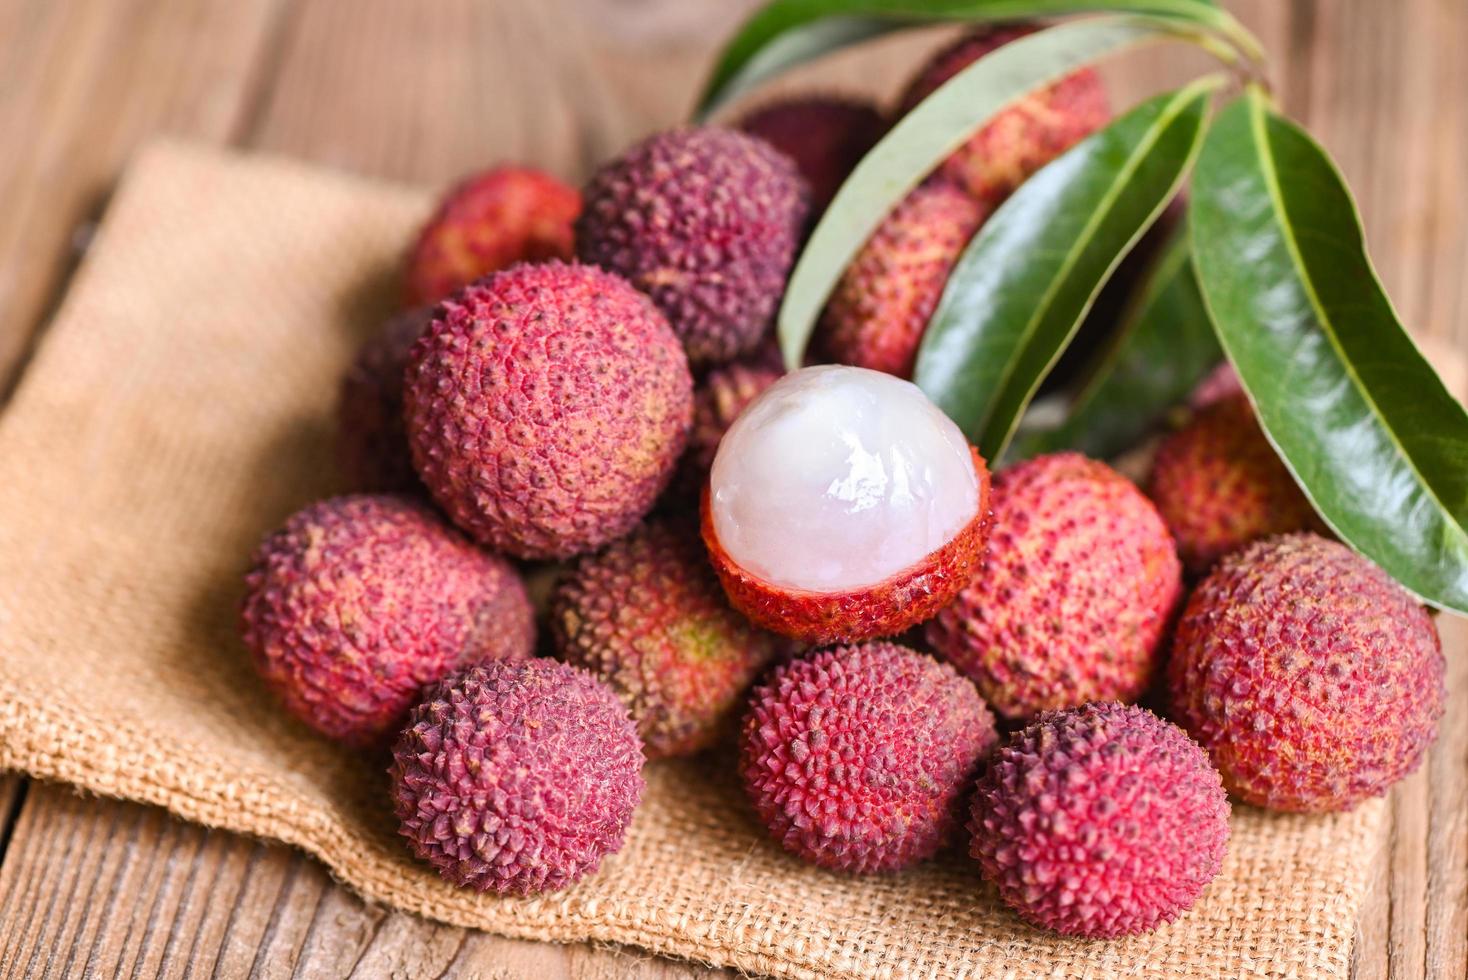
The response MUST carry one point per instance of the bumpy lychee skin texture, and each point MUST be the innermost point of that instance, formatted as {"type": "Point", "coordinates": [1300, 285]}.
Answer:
{"type": "Point", "coordinates": [358, 602]}
{"type": "Point", "coordinates": [1074, 597]}
{"type": "Point", "coordinates": [546, 407]}
{"type": "Point", "coordinates": [706, 221]}
{"type": "Point", "coordinates": [843, 505]}
{"type": "Point", "coordinates": [1100, 821]}
{"type": "Point", "coordinates": [1219, 485]}
{"type": "Point", "coordinates": [1312, 679]}
{"type": "Point", "coordinates": [1026, 135]}
{"type": "Point", "coordinates": [647, 616]}
{"type": "Point", "coordinates": [371, 445]}
{"type": "Point", "coordinates": [717, 402]}
{"type": "Point", "coordinates": [825, 135]}
{"type": "Point", "coordinates": [858, 758]}
{"type": "Point", "coordinates": [517, 778]}
{"type": "Point", "coordinates": [880, 308]}
{"type": "Point", "coordinates": [488, 222]}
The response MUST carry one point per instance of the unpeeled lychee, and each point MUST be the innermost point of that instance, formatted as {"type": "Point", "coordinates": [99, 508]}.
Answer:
{"type": "Point", "coordinates": [720, 397]}
{"type": "Point", "coordinates": [706, 221]}
{"type": "Point", "coordinates": [825, 135]}
{"type": "Point", "coordinates": [1219, 485]}
{"type": "Point", "coordinates": [1100, 821]}
{"type": "Point", "coordinates": [1312, 679]}
{"type": "Point", "coordinates": [490, 221]}
{"type": "Point", "coordinates": [371, 445]}
{"type": "Point", "coordinates": [517, 778]}
{"type": "Point", "coordinates": [1024, 136]}
{"type": "Point", "coordinates": [358, 602]}
{"type": "Point", "coordinates": [546, 407]}
{"type": "Point", "coordinates": [880, 308]}
{"type": "Point", "coordinates": [1074, 596]}
{"type": "Point", "coordinates": [844, 505]}
{"type": "Point", "coordinates": [647, 615]}
{"type": "Point", "coordinates": [858, 758]}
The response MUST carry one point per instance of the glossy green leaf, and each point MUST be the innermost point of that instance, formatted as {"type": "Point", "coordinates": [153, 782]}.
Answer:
{"type": "Point", "coordinates": [786, 33]}
{"type": "Point", "coordinates": [1019, 291]}
{"type": "Point", "coordinates": [929, 133]}
{"type": "Point", "coordinates": [1162, 349]}
{"type": "Point", "coordinates": [1369, 431]}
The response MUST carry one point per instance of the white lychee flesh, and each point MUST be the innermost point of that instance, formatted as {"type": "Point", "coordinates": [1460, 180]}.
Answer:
{"type": "Point", "coordinates": [837, 478]}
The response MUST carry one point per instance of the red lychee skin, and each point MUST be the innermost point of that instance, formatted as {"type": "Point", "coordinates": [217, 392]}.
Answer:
{"type": "Point", "coordinates": [371, 444]}
{"type": "Point", "coordinates": [1074, 596]}
{"type": "Point", "coordinates": [858, 758]}
{"type": "Point", "coordinates": [1220, 383]}
{"type": "Point", "coordinates": [1313, 680]}
{"type": "Point", "coordinates": [546, 408]}
{"type": "Point", "coordinates": [1219, 485]}
{"type": "Point", "coordinates": [488, 222]}
{"type": "Point", "coordinates": [717, 402]}
{"type": "Point", "coordinates": [1024, 136]}
{"type": "Point", "coordinates": [1100, 821]}
{"type": "Point", "coordinates": [517, 778]}
{"type": "Point", "coordinates": [884, 609]}
{"type": "Point", "coordinates": [648, 617]}
{"type": "Point", "coordinates": [358, 602]}
{"type": "Point", "coordinates": [825, 135]}
{"type": "Point", "coordinates": [706, 221]}
{"type": "Point", "coordinates": [880, 308]}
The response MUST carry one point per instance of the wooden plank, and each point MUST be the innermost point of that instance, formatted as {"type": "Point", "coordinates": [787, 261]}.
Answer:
{"type": "Point", "coordinates": [82, 83]}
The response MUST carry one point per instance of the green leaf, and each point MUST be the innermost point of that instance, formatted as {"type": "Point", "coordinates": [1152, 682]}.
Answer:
{"type": "Point", "coordinates": [786, 33]}
{"type": "Point", "coordinates": [929, 133]}
{"type": "Point", "coordinates": [1021, 287]}
{"type": "Point", "coordinates": [1371, 434]}
{"type": "Point", "coordinates": [1163, 348]}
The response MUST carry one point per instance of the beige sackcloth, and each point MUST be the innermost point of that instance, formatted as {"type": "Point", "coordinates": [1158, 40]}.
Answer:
{"type": "Point", "coordinates": [181, 406]}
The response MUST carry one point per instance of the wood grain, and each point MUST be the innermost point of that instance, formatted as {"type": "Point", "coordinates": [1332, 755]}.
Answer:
{"type": "Point", "coordinates": [426, 92]}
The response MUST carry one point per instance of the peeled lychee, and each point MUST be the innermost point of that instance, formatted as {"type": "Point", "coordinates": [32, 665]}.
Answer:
{"type": "Point", "coordinates": [706, 221]}
{"type": "Point", "coordinates": [647, 616]}
{"type": "Point", "coordinates": [546, 407]}
{"type": "Point", "coordinates": [358, 602]}
{"type": "Point", "coordinates": [844, 505]}
{"type": "Point", "coordinates": [825, 135]}
{"type": "Point", "coordinates": [488, 222]}
{"type": "Point", "coordinates": [1100, 821]}
{"type": "Point", "coordinates": [880, 308]}
{"type": "Point", "coordinates": [1025, 135]}
{"type": "Point", "coordinates": [720, 397]}
{"type": "Point", "coordinates": [517, 778]}
{"type": "Point", "coordinates": [858, 758]}
{"type": "Point", "coordinates": [371, 446]}
{"type": "Point", "coordinates": [1074, 597]}
{"type": "Point", "coordinates": [1312, 679]}
{"type": "Point", "coordinates": [1219, 485]}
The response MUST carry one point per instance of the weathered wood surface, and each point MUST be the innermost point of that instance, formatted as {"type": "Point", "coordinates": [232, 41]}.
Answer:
{"type": "Point", "coordinates": [426, 91]}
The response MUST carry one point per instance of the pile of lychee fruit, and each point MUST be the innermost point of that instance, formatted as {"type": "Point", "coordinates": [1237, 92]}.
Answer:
{"type": "Point", "coordinates": [814, 565]}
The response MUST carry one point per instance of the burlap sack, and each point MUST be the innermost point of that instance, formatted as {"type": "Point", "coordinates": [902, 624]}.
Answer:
{"type": "Point", "coordinates": [180, 407]}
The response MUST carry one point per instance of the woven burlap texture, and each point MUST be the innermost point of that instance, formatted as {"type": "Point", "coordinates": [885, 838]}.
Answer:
{"type": "Point", "coordinates": [180, 406]}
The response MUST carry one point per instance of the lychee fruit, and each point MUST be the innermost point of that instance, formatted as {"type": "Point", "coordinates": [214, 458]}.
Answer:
{"type": "Point", "coordinates": [1220, 383]}
{"type": "Point", "coordinates": [358, 602]}
{"type": "Point", "coordinates": [706, 221]}
{"type": "Point", "coordinates": [490, 221]}
{"type": "Point", "coordinates": [1024, 136]}
{"type": "Point", "coordinates": [1075, 595]}
{"type": "Point", "coordinates": [825, 135]}
{"type": "Point", "coordinates": [724, 392]}
{"type": "Point", "coordinates": [546, 407]}
{"type": "Point", "coordinates": [647, 616]}
{"type": "Point", "coordinates": [880, 308]}
{"type": "Point", "coordinates": [1219, 485]}
{"type": "Point", "coordinates": [1312, 679]}
{"type": "Point", "coordinates": [1100, 821]}
{"type": "Point", "coordinates": [858, 758]}
{"type": "Point", "coordinates": [517, 778]}
{"type": "Point", "coordinates": [844, 505]}
{"type": "Point", "coordinates": [371, 445]}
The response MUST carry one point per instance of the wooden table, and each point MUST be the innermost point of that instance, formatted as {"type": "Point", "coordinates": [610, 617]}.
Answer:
{"type": "Point", "coordinates": [426, 91]}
